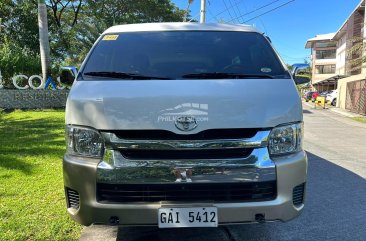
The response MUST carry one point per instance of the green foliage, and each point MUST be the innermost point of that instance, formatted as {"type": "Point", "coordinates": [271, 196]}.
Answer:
{"type": "Point", "coordinates": [289, 67]}
{"type": "Point", "coordinates": [20, 20]}
{"type": "Point", "coordinates": [305, 74]}
{"type": "Point", "coordinates": [360, 119]}
{"type": "Point", "coordinates": [74, 25]}
{"type": "Point", "coordinates": [308, 72]}
{"type": "Point", "coordinates": [32, 203]}
{"type": "Point", "coordinates": [75, 40]}
{"type": "Point", "coordinates": [17, 60]}
{"type": "Point", "coordinates": [131, 11]}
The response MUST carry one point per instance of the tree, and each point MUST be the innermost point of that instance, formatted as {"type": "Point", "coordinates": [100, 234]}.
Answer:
{"type": "Point", "coordinates": [289, 67]}
{"type": "Point", "coordinates": [73, 26]}
{"type": "Point", "coordinates": [134, 11]}
{"type": "Point", "coordinates": [15, 59]}
{"type": "Point", "coordinates": [19, 47]}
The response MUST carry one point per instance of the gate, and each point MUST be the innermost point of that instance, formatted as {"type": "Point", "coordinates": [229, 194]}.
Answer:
{"type": "Point", "coordinates": [356, 97]}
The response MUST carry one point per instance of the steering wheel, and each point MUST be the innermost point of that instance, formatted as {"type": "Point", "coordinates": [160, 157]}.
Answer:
{"type": "Point", "coordinates": [234, 67]}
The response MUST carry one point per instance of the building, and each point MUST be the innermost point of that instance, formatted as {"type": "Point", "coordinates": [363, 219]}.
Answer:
{"type": "Point", "coordinates": [337, 66]}
{"type": "Point", "coordinates": [323, 52]}
{"type": "Point", "coordinates": [352, 89]}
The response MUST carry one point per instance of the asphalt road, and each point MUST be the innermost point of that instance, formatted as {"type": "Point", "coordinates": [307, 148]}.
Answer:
{"type": "Point", "coordinates": [336, 193]}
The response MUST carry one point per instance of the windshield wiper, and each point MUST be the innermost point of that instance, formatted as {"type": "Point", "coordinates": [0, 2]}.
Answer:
{"type": "Point", "coordinates": [222, 75]}
{"type": "Point", "coordinates": [124, 75]}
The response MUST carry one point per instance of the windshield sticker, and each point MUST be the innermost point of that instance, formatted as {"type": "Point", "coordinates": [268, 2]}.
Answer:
{"type": "Point", "coordinates": [266, 70]}
{"type": "Point", "coordinates": [110, 37]}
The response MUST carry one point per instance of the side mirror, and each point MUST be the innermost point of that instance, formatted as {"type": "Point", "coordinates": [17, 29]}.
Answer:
{"type": "Point", "coordinates": [301, 73]}
{"type": "Point", "coordinates": [68, 75]}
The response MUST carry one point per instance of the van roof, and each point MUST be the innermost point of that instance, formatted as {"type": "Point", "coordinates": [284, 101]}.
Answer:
{"type": "Point", "coordinates": [142, 27]}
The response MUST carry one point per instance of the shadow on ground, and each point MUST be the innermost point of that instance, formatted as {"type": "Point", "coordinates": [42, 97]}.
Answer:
{"type": "Point", "coordinates": [335, 210]}
{"type": "Point", "coordinates": [307, 112]}
{"type": "Point", "coordinates": [21, 139]}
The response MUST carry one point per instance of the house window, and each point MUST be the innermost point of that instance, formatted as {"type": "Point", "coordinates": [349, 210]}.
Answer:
{"type": "Point", "coordinates": [326, 54]}
{"type": "Point", "coordinates": [325, 69]}
{"type": "Point", "coordinates": [325, 44]}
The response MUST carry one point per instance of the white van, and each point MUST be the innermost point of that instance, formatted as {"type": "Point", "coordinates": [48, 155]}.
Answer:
{"type": "Point", "coordinates": [183, 125]}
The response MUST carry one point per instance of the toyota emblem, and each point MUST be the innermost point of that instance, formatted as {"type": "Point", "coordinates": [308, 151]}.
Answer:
{"type": "Point", "coordinates": [186, 123]}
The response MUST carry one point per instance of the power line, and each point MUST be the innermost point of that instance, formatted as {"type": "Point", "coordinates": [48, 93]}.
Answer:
{"type": "Point", "coordinates": [209, 11]}
{"type": "Point", "coordinates": [259, 8]}
{"type": "Point", "coordinates": [225, 10]}
{"type": "Point", "coordinates": [273, 9]}
{"type": "Point", "coordinates": [232, 7]}
{"type": "Point", "coordinates": [264, 27]}
{"type": "Point", "coordinates": [194, 18]}
{"type": "Point", "coordinates": [237, 8]}
{"type": "Point", "coordinates": [187, 11]}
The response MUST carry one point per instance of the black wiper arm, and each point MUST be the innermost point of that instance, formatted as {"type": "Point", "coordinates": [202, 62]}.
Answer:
{"type": "Point", "coordinates": [123, 75]}
{"type": "Point", "coordinates": [223, 75]}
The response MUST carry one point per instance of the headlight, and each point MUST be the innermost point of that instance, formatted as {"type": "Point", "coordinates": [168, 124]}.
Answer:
{"type": "Point", "coordinates": [83, 141]}
{"type": "Point", "coordinates": [286, 139]}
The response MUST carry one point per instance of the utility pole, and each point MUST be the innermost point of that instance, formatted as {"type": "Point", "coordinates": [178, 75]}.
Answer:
{"type": "Point", "coordinates": [1, 77]}
{"type": "Point", "coordinates": [43, 39]}
{"type": "Point", "coordinates": [203, 11]}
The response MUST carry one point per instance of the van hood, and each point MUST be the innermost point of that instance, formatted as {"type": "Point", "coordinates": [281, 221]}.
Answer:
{"type": "Point", "coordinates": [155, 104]}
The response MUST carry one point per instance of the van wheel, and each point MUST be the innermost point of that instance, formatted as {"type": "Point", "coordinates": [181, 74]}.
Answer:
{"type": "Point", "coordinates": [334, 102]}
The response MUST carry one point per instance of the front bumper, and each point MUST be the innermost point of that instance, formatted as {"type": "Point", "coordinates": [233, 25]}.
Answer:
{"type": "Point", "coordinates": [80, 174]}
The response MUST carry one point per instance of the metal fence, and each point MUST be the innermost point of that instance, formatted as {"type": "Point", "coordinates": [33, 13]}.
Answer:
{"type": "Point", "coordinates": [356, 97]}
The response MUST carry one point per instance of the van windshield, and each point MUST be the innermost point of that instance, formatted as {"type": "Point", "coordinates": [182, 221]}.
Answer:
{"type": "Point", "coordinates": [183, 55]}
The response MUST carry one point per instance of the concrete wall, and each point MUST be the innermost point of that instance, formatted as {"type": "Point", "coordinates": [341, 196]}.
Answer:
{"type": "Point", "coordinates": [342, 89]}
{"type": "Point", "coordinates": [341, 55]}
{"type": "Point", "coordinates": [32, 99]}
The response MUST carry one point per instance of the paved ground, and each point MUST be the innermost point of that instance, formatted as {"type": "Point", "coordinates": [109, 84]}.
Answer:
{"type": "Point", "coordinates": [336, 195]}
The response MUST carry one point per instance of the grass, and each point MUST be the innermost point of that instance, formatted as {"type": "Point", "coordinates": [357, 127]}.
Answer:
{"type": "Point", "coordinates": [360, 119]}
{"type": "Point", "coordinates": [32, 203]}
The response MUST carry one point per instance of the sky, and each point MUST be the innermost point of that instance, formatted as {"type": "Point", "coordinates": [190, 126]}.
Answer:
{"type": "Point", "coordinates": [289, 26]}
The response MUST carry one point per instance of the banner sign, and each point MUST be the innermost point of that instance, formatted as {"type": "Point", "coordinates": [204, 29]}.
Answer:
{"type": "Point", "coordinates": [34, 93]}
{"type": "Point", "coordinates": [56, 85]}
{"type": "Point", "coordinates": [41, 85]}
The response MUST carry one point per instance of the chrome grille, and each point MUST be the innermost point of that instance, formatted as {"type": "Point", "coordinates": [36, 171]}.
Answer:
{"type": "Point", "coordinates": [203, 135]}
{"type": "Point", "coordinates": [185, 154]}
{"type": "Point", "coordinates": [114, 142]}
{"type": "Point", "coordinates": [135, 160]}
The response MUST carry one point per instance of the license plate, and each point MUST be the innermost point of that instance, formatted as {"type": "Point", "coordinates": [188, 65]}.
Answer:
{"type": "Point", "coordinates": [188, 217]}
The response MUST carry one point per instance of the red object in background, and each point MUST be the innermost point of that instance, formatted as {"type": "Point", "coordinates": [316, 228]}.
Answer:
{"type": "Point", "coordinates": [315, 94]}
